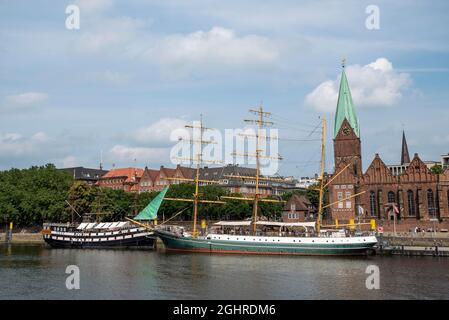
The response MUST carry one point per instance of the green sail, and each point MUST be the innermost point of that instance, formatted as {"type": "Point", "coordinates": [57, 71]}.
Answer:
{"type": "Point", "coordinates": [150, 211]}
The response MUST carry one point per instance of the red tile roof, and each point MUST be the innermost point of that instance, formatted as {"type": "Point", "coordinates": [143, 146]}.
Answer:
{"type": "Point", "coordinates": [152, 173]}
{"type": "Point", "coordinates": [169, 173]}
{"type": "Point", "coordinates": [129, 173]}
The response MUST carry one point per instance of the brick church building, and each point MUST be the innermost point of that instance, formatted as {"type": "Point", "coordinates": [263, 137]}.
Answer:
{"type": "Point", "coordinates": [415, 195]}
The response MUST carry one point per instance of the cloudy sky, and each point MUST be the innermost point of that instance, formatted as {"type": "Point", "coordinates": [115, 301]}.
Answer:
{"type": "Point", "coordinates": [136, 70]}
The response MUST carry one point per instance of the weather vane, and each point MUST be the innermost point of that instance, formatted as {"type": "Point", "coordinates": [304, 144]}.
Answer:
{"type": "Point", "coordinates": [343, 63]}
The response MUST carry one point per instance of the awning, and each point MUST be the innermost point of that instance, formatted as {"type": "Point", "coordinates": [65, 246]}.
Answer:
{"type": "Point", "coordinates": [233, 223]}
{"type": "Point", "coordinates": [264, 223]}
{"type": "Point", "coordinates": [286, 224]}
{"type": "Point", "coordinates": [82, 226]}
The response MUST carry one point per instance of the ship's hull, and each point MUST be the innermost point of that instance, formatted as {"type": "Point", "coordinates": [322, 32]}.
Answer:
{"type": "Point", "coordinates": [143, 242]}
{"type": "Point", "coordinates": [62, 236]}
{"type": "Point", "coordinates": [268, 245]}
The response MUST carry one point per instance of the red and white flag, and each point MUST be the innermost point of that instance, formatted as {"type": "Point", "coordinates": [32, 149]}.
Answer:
{"type": "Point", "coordinates": [395, 209]}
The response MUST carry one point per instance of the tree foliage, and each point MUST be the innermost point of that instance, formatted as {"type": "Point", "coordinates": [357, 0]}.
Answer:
{"type": "Point", "coordinates": [40, 194]}
{"type": "Point", "coordinates": [32, 196]}
{"type": "Point", "coordinates": [437, 169]}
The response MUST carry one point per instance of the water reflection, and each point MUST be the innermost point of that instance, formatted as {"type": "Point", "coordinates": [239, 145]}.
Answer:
{"type": "Point", "coordinates": [39, 272]}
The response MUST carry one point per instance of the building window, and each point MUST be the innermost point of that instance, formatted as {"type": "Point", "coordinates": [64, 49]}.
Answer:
{"type": "Point", "coordinates": [373, 203]}
{"type": "Point", "coordinates": [431, 204]}
{"type": "Point", "coordinates": [391, 197]}
{"type": "Point", "coordinates": [339, 198]}
{"type": "Point", "coordinates": [348, 203]}
{"type": "Point", "coordinates": [411, 204]}
{"type": "Point", "coordinates": [293, 207]}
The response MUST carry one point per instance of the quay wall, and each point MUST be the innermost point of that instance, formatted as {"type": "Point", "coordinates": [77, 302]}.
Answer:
{"type": "Point", "coordinates": [409, 225]}
{"type": "Point", "coordinates": [439, 239]}
{"type": "Point", "coordinates": [23, 238]}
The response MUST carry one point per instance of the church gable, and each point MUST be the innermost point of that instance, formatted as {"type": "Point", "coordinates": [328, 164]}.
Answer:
{"type": "Point", "coordinates": [378, 172]}
{"type": "Point", "coordinates": [417, 171]}
{"type": "Point", "coordinates": [346, 132]}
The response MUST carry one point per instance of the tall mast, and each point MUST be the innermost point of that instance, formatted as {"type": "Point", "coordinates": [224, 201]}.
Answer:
{"type": "Point", "coordinates": [321, 178]}
{"type": "Point", "coordinates": [198, 158]}
{"type": "Point", "coordinates": [260, 122]}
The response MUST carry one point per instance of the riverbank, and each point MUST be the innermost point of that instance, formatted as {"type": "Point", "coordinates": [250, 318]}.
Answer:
{"type": "Point", "coordinates": [24, 238]}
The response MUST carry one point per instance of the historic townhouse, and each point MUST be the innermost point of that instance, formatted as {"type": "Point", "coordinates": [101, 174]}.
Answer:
{"type": "Point", "coordinates": [126, 179]}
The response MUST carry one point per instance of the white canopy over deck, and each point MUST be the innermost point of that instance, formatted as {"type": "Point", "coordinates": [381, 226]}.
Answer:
{"type": "Point", "coordinates": [264, 223]}
{"type": "Point", "coordinates": [104, 225]}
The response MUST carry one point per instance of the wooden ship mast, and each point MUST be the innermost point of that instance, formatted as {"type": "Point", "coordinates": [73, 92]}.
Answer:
{"type": "Point", "coordinates": [198, 158]}
{"type": "Point", "coordinates": [261, 123]}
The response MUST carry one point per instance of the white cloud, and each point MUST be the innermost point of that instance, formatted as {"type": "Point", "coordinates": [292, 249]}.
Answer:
{"type": "Point", "coordinates": [39, 137]}
{"type": "Point", "coordinates": [376, 84]}
{"type": "Point", "coordinates": [218, 46]}
{"type": "Point", "coordinates": [27, 98]}
{"type": "Point", "coordinates": [126, 153]}
{"type": "Point", "coordinates": [14, 144]}
{"type": "Point", "coordinates": [10, 137]}
{"type": "Point", "coordinates": [159, 132]}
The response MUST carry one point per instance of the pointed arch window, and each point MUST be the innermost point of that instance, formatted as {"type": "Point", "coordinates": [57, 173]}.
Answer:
{"type": "Point", "coordinates": [373, 203]}
{"type": "Point", "coordinates": [431, 204]}
{"type": "Point", "coordinates": [411, 204]}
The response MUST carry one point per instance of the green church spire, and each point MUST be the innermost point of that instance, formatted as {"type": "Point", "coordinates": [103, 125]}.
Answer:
{"type": "Point", "coordinates": [345, 107]}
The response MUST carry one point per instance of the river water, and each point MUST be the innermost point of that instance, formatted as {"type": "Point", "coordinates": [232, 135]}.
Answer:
{"type": "Point", "coordinates": [38, 272]}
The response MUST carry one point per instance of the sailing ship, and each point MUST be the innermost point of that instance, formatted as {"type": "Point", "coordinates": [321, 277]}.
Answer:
{"type": "Point", "coordinates": [134, 233]}
{"type": "Point", "coordinates": [268, 237]}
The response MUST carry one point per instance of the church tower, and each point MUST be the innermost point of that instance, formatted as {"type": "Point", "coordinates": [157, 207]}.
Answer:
{"type": "Point", "coordinates": [347, 145]}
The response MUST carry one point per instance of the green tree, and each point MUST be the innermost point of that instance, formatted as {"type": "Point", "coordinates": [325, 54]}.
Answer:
{"type": "Point", "coordinates": [81, 197]}
{"type": "Point", "coordinates": [34, 195]}
{"type": "Point", "coordinates": [437, 169]}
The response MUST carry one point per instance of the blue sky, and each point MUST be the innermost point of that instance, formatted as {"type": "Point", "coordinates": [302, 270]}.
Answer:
{"type": "Point", "coordinates": [136, 70]}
